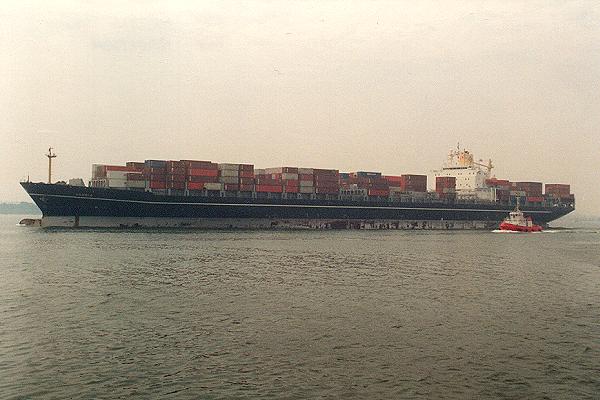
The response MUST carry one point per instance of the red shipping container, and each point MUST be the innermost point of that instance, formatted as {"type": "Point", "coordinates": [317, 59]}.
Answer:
{"type": "Point", "coordinates": [176, 185]}
{"type": "Point", "coordinates": [291, 189]}
{"type": "Point", "coordinates": [138, 166]}
{"type": "Point", "coordinates": [195, 185]}
{"type": "Point", "coordinates": [175, 178]}
{"type": "Point", "coordinates": [175, 164]}
{"type": "Point", "coordinates": [246, 188]}
{"type": "Point", "coordinates": [202, 172]}
{"type": "Point", "coordinates": [118, 168]}
{"type": "Point", "coordinates": [246, 167]}
{"type": "Point", "coordinates": [305, 177]}
{"type": "Point", "coordinates": [319, 171]}
{"type": "Point", "coordinates": [158, 185]}
{"type": "Point", "coordinates": [558, 188]}
{"type": "Point", "coordinates": [268, 181]}
{"type": "Point", "coordinates": [135, 176]}
{"type": "Point", "coordinates": [158, 178]}
{"type": "Point", "coordinates": [269, 188]}
{"type": "Point", "coordinates": [176, 171]}
{"type": "Point", "coordinates": [155, 171]}
{"type": "Point", "coordinates": [393, 178]}
{"type": "Point", "coordinates": [414, 183]}
{"type": "Point", "coordinates": [246, 181]}
{"type": "Point", "coordinates": [494, 182]}
{"type": "Point", "coordinates": [200, 164]}
{"type": "Point", "coordinates": [203, 179]}
{"type": "Point", "coordinates": [444, 182]}
{"type": "Point", "coordinates": [246, 174]}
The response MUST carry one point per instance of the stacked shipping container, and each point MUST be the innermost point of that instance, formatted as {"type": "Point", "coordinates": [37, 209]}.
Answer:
{"type": "Point", "coordinates": [155, 173]}
{"type": "Point", "coordinates": [306, 182]}
{"type": "Point", "coordinates": [559, 191]}
{"type": "Point", "coordinates": [202, 175]}
{"type": "Point", "coordinates": [326, 181]}
{"type": "Point", "coordinates": [413, 183]}
{"type": "Point", "coordinates": [174, 177]}
{"type": "Point", "coordinates": [445, 187]}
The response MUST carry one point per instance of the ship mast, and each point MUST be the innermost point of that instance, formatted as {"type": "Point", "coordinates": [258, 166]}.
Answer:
{"type": "Point", "coordinates": [50, 156]}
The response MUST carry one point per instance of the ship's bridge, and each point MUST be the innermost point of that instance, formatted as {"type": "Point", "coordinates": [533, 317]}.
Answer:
{"type": "Point", "coordinates": [470, 175]}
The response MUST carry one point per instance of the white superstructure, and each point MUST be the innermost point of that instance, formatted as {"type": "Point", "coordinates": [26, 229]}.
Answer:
{"type": "Point", "coordinates": [470, 175]}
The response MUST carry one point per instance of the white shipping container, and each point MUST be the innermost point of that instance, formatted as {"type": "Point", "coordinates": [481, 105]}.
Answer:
{"type": "Point", "coordinates": [228, 166]}
{"type": "Point", "coordinates": [213, 186]}
{"type": "Point", "coordinates": [120, 175]}
{"type": "Point", "coordinates": [229, 179]}
{"type": "Point", "coordinates": [305, 183]}
{"type": "Point", "coordinates": [306, 189]}
{"type": "Point", "coordinates": [308, 171]}
{"type": "Point", "coordinates": [116, 183]}
{"type": "Point", "coordinates": [273, 170]}
{"type": "Point", "coordinates": [289, 176]}
{"type": "Point", "coordinates": [229, 172]}
{"type": "Point", "coordinates": [135, 184]}
{"type": "Point", "coordinates": [259, 172]}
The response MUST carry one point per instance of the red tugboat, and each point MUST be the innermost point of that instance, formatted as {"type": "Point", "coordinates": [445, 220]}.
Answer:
{"type": "Point", "coordinates": [518, 222]}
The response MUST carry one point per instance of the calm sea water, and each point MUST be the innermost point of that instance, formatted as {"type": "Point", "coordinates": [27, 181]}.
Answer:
{"type": "Point", "coordinates": [343, 314]}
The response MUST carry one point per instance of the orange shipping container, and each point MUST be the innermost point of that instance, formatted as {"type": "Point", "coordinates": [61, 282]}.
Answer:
{"type": "Point", "coordinates": [200, 164]}
{"type": "Point", "coordinates": [269, 188]}
{"type": "Point", "coordinates": [202, 172]}
{"type": "Point", "coordinates": [195, 185]}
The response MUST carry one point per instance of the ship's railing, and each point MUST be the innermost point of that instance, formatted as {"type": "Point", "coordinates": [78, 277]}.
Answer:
{"type": "Point", "coordinates": [404, 197]}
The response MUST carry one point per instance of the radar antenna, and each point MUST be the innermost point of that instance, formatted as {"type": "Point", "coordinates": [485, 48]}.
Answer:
{"type": "Point", "coordinates": [50, 156]}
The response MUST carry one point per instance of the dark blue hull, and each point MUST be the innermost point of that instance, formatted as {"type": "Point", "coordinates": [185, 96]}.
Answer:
{"type": "Point", "coordinates": [114, 207]}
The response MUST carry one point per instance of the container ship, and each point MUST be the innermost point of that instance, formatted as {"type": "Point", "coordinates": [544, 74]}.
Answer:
{"type": "Point", "coordinates": [209, 195]}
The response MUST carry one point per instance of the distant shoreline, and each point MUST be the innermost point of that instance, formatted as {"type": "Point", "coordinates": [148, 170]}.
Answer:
{"type": "Point", "coordinates": [22, 207]}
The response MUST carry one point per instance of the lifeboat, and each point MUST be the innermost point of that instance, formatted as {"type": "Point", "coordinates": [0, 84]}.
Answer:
{"type": "Point", "coordinates": [518, 222]}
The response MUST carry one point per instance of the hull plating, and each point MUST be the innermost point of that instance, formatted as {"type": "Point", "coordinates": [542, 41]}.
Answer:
{"type": "Point", "coordinates": [64, 205]}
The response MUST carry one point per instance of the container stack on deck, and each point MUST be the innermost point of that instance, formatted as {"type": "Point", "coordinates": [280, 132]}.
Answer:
{"type": "Point", "coordinates": [306, 181]}
{"type": "Point", "coordinates": [531, 191]}
{"type": "Point", "coordinates": [445, 187]}
{"type": "Point", "coordinates": [413, 183]}
{"type": "Point", "coordinates": [376, 185]}
{"type": "Point", "coordinates": [326, 181]}
{"type": "Point", "coordinates": [205, 178]}
{"type": "Point", "coordinates": [502, 187]}
{"type": "Point", "coordinates": [246, 178]}
{"type": "Point", "coordinates": [229, 176]}
{"type": "Point", "coordinates": [201, 175]}
{"type": "Point", "coordinates": [115, 176]}
{"type": "Point", "coordinates": [287, 177]}
{"type": "Point", "coordinates": [267, 183]}
{"type": "Point", "coordinates": [176, 175]}
{"type": "Point", "coordinates": [135, 176]}
{"type": "Point", "coordinates": [559, 191]}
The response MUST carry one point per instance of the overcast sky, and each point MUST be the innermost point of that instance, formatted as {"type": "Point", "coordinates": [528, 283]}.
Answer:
{"type": "Point", "coordinates": [387, 86]}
